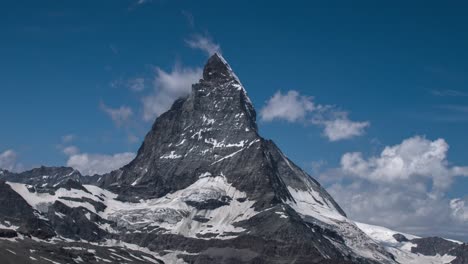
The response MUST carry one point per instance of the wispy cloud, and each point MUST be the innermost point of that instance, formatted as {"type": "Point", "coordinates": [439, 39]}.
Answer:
{"type": "Point", "coordinates": [449, 93]}
{"type": "Point", "coordinates": [120, 116]}
{"type": "Point", "coordinates": [136, 84]}
{"type": "Point", "coordinates": [189, 17]}
{"type": "Point", "coordinates": [167, 87]}
{"type": "Point", "coordinates": [203, 43]}
{"type": "Point", "coordinates": [68, 138]}
{"type": "Point", "coordinates": [293, 107]}
{"type": "Point", "coordinates": [114, 49]}
{"type": "Point", "coordinates": [337, 125]}
{"type": "Point", "coordinates": [455, 108]}
{"type": "Point", "coordinates": [142, 2]}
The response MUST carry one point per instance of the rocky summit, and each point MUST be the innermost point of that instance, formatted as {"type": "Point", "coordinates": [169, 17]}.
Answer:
{"type": "Point", "coordinates": [205, 187]}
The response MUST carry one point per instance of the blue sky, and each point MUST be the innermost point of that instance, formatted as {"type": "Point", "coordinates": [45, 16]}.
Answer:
{"type": "Point", "coordinates": [74, 76]}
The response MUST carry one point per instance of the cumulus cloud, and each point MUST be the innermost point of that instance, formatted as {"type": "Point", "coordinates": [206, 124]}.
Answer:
{"type": "Point", "coordinates": [203, 43]}
{"type": "Point", "coordinates": [93, 163]}
{"type": "Point", "coordinates": [290, 107]}
{"type": "Point", "coordinates": [120, 115]}
{"type": "Point", "coordinates": [90, 164]}
{"type": "Point", "coordinates": [168, 86]}
{"type": "Point", "coordinates": [8, 161]}
{"type": "Point", "coordinates": [339, 126]}
{"type": "Point", "coordinates": [414, 157]}
{"type": "Point", "coordinates": [406, 208]}
{"type": "Point", "coordinates": [404, 187]}
{"type": "Point", "coordinates": [294, 107]}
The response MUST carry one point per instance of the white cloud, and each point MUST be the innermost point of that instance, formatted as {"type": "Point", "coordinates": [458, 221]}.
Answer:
{"type": "Point", "coordinates": [8, 161]}
{"type": "Point", "coordinates": [404, 207]}
{"type": "Point", "coordinates": [70, 150]}
{"type": "Point", "coordinates": [120, 115]}
{"type": "Point", "coordinates": [459, 209]}
{"type": "Point", "coordinates": [136, 84]}
{"type": "Point", "coordinates": [169, 86]}
{"type": "Point", "coordinates": [414, 157]}
{"type": "Point", "coordinates": [90, 164]}
{"type": "Point", "coordinates": [342, 128]}
{"type": "Point", "coordinates": [404, 187]}
{"type": "Point", "coordinates": [294, 107]}
{"type": "Point", "coordinates": [290, 107]}
{"type": "Point", "coordinates": [203, 43]}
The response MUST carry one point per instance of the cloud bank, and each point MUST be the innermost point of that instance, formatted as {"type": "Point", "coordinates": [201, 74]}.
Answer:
{"type": "Point", "coordinates": [404, 187]}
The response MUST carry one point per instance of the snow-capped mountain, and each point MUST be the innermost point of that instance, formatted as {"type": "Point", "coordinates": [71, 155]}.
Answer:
{"type": "Point", "coordinates": [205, 187]}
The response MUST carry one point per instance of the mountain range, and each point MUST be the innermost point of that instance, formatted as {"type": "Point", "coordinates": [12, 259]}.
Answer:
{"type": "Point", "coordinates": [204, 187]}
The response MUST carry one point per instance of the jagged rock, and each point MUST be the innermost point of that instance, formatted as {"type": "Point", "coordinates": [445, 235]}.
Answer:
{"type": "Point", "coordinates": [431, 246]}
{"type": "Point", "coordinates": [75, 223]}
{"type": "Point", "coordinates": [8, 233]}
{"type": "Point", "coordinates": [400, 238]}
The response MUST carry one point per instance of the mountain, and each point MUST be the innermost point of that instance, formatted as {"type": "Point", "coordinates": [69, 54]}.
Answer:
{"type": "Point", "coordinates": [205, 187]}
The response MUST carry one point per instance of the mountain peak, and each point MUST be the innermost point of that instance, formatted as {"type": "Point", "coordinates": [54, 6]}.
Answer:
{"type": "Point", "coordinates": [217, 69]}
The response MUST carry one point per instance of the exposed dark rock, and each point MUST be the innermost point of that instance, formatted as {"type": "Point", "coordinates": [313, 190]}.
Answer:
{"type": "Point", "coordinates": [8, 233]}
{"type": "Point", "coordinates": [400, 238]}
{"type": "Point", "coordinates": [72, 184]}
{"type": "Point", "coordinates": [461, 253]}
{"type": "Point", "coordinates": [431, 246]}
{"type": "Point", "coordinates": [76, 223]}
{"type": "Point", "coordinates": [200, 219]}
{"type": "Point", "coordinates": [209, 204]}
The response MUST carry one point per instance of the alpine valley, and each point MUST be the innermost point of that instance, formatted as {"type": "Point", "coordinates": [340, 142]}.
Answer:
{"type": "Point", "coordinates": [204, 188]}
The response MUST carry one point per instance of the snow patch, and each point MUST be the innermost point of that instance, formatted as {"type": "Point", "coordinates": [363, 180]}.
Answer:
{"type": "Point", "coordinates": [171, 155]}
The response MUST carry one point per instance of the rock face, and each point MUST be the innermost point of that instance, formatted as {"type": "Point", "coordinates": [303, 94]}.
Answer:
{"type": "Point", "coordinates": [205, 187]}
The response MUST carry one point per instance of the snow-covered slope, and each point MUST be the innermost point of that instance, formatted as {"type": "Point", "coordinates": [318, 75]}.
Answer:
{"type": "Point", "coordinates": [401, 244]}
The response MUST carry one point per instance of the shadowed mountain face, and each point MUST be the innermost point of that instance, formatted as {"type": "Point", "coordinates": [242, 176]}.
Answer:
{"type": "Point", "coordinates": [205, 187]}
